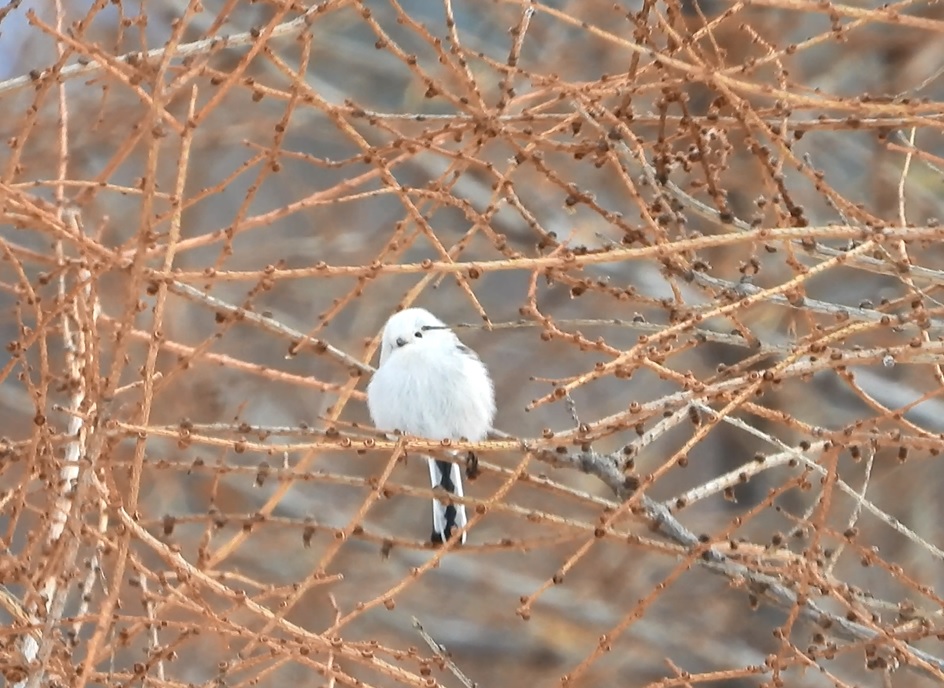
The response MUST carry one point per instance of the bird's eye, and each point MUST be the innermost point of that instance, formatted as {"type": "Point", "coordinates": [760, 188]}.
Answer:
{"type": "Point", "coordinates": [419, 335]}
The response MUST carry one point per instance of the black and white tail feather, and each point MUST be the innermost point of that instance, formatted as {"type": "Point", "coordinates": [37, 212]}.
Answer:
{"type": "Point", "coordinates": [446, 518]}
{"type": "Point", "coordinates": [430, 385]}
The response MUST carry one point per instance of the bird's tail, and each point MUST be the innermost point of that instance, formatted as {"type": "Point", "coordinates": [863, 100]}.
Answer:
{"type": "Point", "coordinates": [446, 518]}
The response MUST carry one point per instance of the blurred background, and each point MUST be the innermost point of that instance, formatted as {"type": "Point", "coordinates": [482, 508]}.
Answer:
{"type": "Point", "coordinates": [703, 251]}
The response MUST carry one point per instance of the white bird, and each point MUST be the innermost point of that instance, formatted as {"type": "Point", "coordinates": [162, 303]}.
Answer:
{"type": "Point", "coordinates": [432, 386]}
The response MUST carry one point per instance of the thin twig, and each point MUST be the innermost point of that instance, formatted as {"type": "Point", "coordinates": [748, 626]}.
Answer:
{"type": "Point", "coordinates": [440, 652]}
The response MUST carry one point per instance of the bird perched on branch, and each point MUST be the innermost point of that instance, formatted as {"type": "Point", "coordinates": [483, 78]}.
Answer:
{"type": "Point", "coordinates": [430, 385]}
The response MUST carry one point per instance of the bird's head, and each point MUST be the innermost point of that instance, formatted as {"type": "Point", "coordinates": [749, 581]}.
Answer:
{"type": "Point", "coordinates": [413, 327]}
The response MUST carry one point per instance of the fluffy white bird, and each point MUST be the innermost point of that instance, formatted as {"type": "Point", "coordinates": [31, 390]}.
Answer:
{"type": "Point", "coordinates": [432, 386]}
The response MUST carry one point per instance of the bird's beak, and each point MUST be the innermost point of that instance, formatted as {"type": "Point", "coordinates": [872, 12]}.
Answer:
{"type": "Point", "coordinates": [400, 341]}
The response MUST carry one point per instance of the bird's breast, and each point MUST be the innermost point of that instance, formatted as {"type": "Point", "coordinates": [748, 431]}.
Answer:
{"type": "Point", "coordinates": [433, 396]}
